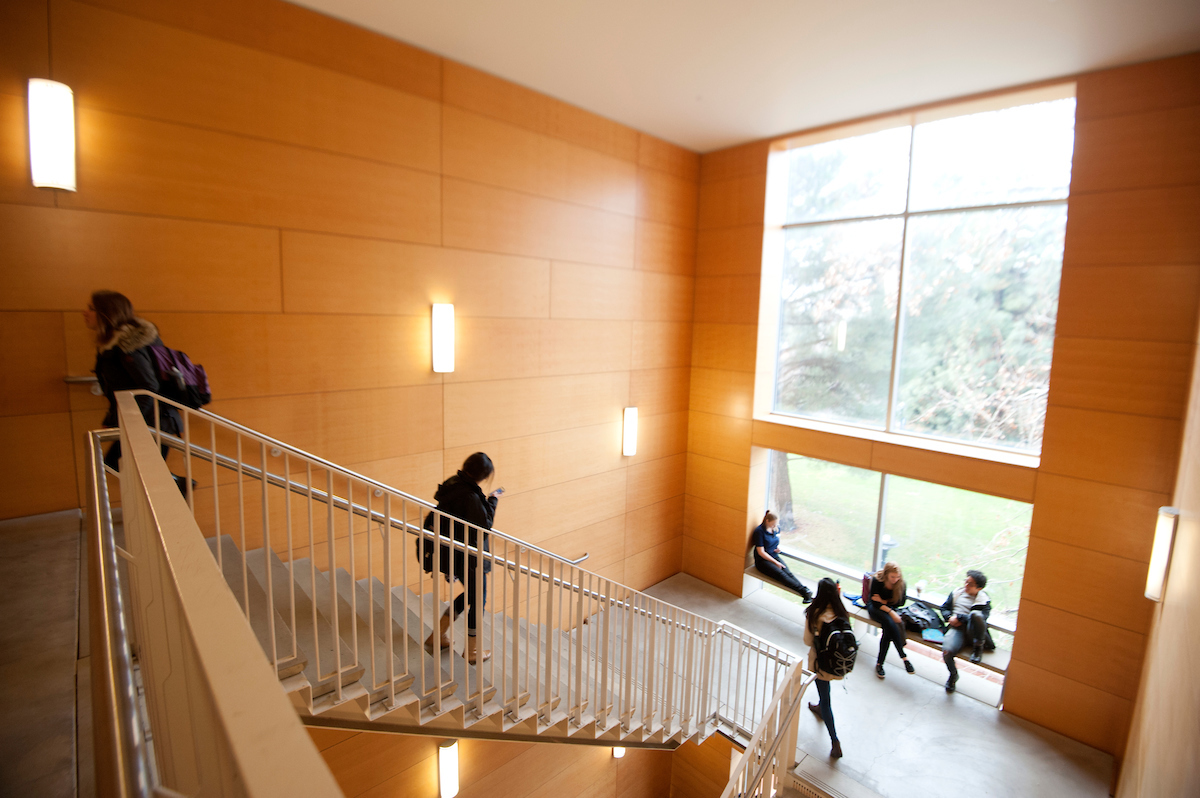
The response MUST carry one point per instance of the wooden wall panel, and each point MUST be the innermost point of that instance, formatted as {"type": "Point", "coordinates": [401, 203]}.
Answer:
{"type": "Point", "coordinates": [855, 452]}
{"type": "Point", "coordinates": [1134, 451]}
{"type": "Point", "coordinates": [490, 219]}
{"type": "Point", "coordinates": [661, 435]}
{"type": "Point", "coordinates": [722, 393]}
{"type": "Point", "coordinates": [547, 458]}
{"type": "Point", "coordinates": [654, 524]}
{"type": "Point", "coordinates": [654, 153]}
{"type": "Point", "coordinates": [120, 64]}
{"type": "Point", "coordinates": [1096, 516]}
{"type": "Point", "coordinates": [142, 166]}
{"type": "Point", "coordinates": [649, 481]}
{"type": "Point", "coordinates": [24, 41]}
{"type": "Point", "coordinates": [665, 248]}
{"type": "Point", "coordinates": [1147, 378]}
{"type": "Point", "coordinates": [665, 297]}
{"type": "Point", "coordinates": [658, 391]}
{"type": "Point", "coordinates": [661, 344]}
{"type": "Point", "coordinates": [54, 259]}
{"type": "Point", "coordinates": [513, 408]}
{"type": "Point", "coordinates": [728, 347]}
{"type": "Point", "coordinates": [717, 480]}
{"type": "Point", "coordinates": [666, 199]}
{"type": "Point", "coordinates": [390, 277]}
{"type": "Point", "coordinates": [729, 250]}
{"type": "Point", "coordinates": [483, 150]}
{"type": "Point", "coordinates": [31, 382]}
{"type": "Point", "coordinates": [702, 771]}
{"type": "Point", "coordinates": [1149, 226]}
{"type": "Point", "coordinates": [486, 94]}
{"type": "Point", "coordinates": [37, 470]}
{"type": "Point", "coordinates": [649, 567]}
{"type": "Point", "coordinates": [488, 349]}
{"type": "Point", "coordinates": [1097, 718]}
{"type": "Point", "coordinates": [713, 524]}
{"type": "Point", "coordinates": [1050, 565]}
{"type": "Point", "coordinates": [579, 291]}
{"type": "Point", "coordinates": [723, 569]}
{"type": "Point", "coordinates": [1112, 302]}
{"type": "Point", "coordinates": [720, 437]}
{"type": "Point", "coordinates": [999, 479]}
{"type": "Point", "coordinates": [1137, 151]}
{"type": "Point", "coordinates": [733, 202]}
{"type": "Point", "coordinates": [603, 542]}
{"type": "Point", "coordinates": [1141, 88]}
{"type": "Point", "coordinates": [727, 300]}
{"type": "Point", "coordinates": [541, 514]}
{"type": "Point", "coordinates": [293, 32]}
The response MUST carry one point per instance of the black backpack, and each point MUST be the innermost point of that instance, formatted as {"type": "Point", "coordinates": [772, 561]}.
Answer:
{"type": "Point", "coordinates": [179, 379]}
{"type": "Point", "coordinates": [836, 648]}
{"type": "Point", "coordinates": [919, 616]}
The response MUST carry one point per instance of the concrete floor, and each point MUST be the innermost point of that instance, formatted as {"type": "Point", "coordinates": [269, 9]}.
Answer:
{"type": "Point", "coordinates": [904, 735]}
{"type": "Point", "coordinates": [39, 654]}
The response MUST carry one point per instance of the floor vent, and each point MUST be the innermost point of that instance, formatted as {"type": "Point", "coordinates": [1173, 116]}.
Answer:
{"type": "Point", "coordinates": [808, 787]}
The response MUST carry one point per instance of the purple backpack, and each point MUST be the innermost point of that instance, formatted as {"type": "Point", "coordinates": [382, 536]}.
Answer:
{"type": "Point", "coordinates": [180, 379]}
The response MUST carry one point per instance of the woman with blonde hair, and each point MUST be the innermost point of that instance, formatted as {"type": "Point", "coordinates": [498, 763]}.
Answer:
{"type": "Point", "coordinates": [887, 594]}
{"type": "Point", "coordinates": [769, 561]}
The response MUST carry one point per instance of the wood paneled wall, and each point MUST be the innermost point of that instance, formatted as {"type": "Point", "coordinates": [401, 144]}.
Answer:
{"type": "Point", "coordinates": [1123, 355]}
{"type": "Point", "coordinates": [285, 195]}
{"type": "Point", "coordinates": [399, 766]}
{"type": "Point", "coordinates": [1161, 755]}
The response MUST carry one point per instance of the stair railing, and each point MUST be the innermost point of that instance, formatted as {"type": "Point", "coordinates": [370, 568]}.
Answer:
{"type": "Point", "coordinates": [194, 719]}
{"type": "Point", "coordinates": [770, 756]}
{"type": "Point", "coordinates": [571, 649]}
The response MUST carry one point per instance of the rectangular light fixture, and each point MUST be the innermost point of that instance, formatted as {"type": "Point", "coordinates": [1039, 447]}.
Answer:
{"type": "Point", "coordinates": [443, 338]}
{"type": "Point", "coordinates": [629, 437]}
{"type": "Point", "coordinates": [1160, 555]}
{"type": "Point", "coordinates": [618, 751]}
{"type": "Point", "coordinates": [51, 134]}
{"type": "Point", "coordinates": [448, 769]}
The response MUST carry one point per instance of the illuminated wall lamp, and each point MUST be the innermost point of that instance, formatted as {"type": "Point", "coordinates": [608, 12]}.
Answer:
{"type": "Point", "coordinates": [618, 751]}
{"type": "Point", "coordinates": [443, 338]}
{"type": "Point", "coordinates": [1160, 555]}
{"type": "Point", "coordinates": [629, 436]}
{"type": "Point", "coordinates": [448, 769]}
{"type": "Point", "coordinates": [51, 134]}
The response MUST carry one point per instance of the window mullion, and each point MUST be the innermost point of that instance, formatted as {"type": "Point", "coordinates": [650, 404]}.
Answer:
{"type": "Point", "coordinates": [896, 329]}
{"type": "Point", "coordinates": [883, 480]}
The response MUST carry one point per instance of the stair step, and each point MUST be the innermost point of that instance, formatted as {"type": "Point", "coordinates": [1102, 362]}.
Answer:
{"type": "Point", "coordinates": [354, 625]}
{"type": "Point", "coordinates": [286, 665]}
{"type": "Point", "coordinates": [312, 641]}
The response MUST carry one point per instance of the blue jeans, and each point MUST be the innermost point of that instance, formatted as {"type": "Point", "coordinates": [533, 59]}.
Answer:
{"type": "Point", "coordinates": [826, 706]}
{"type": "Point", "coordinates": [974, 631]}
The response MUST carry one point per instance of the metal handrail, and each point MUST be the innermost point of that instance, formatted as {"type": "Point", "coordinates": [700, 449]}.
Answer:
{"type": "Point", "coordinates": [133, 769]}
{"type": "Point", "coordinates": [785, 719]}
{"type": "Point", "coordinates": [658, 683]}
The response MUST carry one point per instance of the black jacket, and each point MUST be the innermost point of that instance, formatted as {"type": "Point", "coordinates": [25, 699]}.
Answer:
{"type": "Point", "coordinates": [461, 497]}
{"type": "Point", "coordinates": [125, 362]}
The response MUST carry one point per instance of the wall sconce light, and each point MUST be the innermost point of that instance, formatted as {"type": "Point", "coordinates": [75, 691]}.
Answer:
{"type": "Point", "coordinates": [51, 134]}
{"type": "Point", "coordinates": [443, 338]}
{"type": "Point", "coordinates": [618, 751]}
{"type": "Point", "coordinates": [448, 769]}
{"type": "Point", "coordinates": [629, 438]}
{"type": "Point", "coordinates": [1160, 555]}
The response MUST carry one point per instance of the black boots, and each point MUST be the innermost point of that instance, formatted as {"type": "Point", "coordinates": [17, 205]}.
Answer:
{"type": "Point", "coordinates": [805, 594]}
{"type": "Point", "coordinates": [977, 654]}
{"type": "Point", "coordinates": [951, 682]}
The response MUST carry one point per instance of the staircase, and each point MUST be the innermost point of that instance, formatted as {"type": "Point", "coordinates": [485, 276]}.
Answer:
{"type": "Point", "coordinates": [320, 562]}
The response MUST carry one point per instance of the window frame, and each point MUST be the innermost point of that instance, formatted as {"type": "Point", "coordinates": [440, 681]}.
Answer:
{"type": "Point", "coordinates": [775, 228]}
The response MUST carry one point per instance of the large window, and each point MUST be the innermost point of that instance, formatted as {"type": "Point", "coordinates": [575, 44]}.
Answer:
{"type": "Point", "coordinates": [848, 520]}
{"type": "Point", "coordinates": [919, 279]}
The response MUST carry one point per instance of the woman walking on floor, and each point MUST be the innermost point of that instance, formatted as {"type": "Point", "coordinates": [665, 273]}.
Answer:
{"type": "Point", "coordinates": [826, 606]}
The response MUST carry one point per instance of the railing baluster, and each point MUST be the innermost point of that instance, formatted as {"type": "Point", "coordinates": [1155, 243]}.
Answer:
{"type": "Point", "coordinates": [333, 614]}
{"type": "Point", "coordinates": [267, 550]}
{"type": "Point", "coordinates": [386, 532]}
{"type": "Point", "coordinates": [287, 514]}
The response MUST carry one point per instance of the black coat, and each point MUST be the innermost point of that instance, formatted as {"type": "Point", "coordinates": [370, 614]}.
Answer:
{"type": "Point", "coordinates": [461, 497]}
{"type": "Point", "coordinates": [125, 362]}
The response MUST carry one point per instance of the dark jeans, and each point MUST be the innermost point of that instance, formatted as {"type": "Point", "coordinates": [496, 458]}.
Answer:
{"type": "Point", "coordinates": [974, 631]}
{"type": "Point", "coordinates": [467, 599]}
{"type": "Point", "coordinates": [780, 575]}
{"type": "Point", "coordinates": [892, 632]}
{"type": "Point", "coordinates": [826, 706]}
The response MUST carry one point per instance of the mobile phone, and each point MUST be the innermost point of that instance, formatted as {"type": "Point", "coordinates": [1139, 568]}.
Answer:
{"type": "Point", "coordinates": [498, 491]}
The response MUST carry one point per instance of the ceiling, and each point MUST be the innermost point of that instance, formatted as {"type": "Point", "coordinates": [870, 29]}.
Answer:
{"type": "Point", "coordinates": [707, 74]}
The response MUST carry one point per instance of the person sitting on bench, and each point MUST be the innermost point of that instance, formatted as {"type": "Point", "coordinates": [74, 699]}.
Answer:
{"type": "Point", "coordinates": [966, 609]}
{"type": "Point", "coordinates": [769, 561]}
{"type": "Point", "coordinates": [887, 594]}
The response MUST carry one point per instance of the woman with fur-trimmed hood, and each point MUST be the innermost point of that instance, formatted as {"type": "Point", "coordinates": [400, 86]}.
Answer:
{"type": "Point", "coordinates": [125, 362]}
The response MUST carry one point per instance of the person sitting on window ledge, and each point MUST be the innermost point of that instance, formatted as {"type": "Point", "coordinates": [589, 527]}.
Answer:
{"type": "Point", "coordinates": [966, 610]}
{"type": "Point", "coordinates": [887, 594]}
{"type": "Point", "coordinates": [769, 561]}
